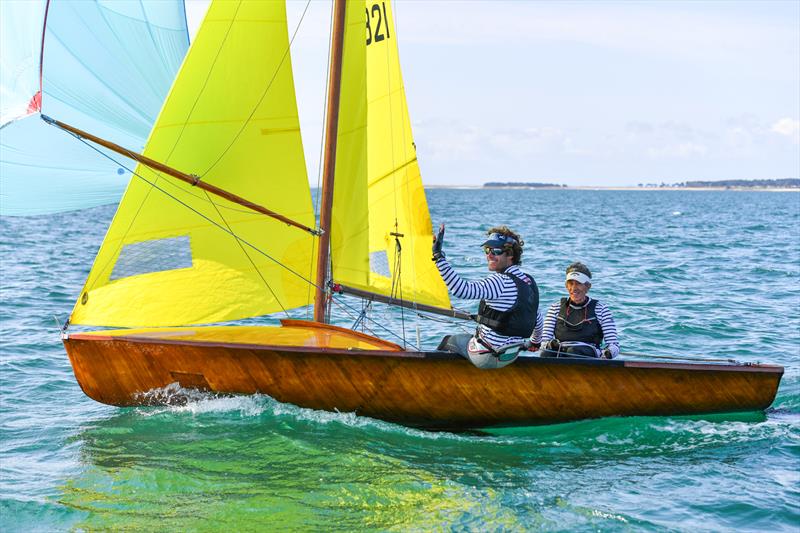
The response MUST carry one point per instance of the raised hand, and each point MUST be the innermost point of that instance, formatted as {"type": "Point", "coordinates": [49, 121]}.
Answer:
{"type": "Point", "coordinates": [438, 240]}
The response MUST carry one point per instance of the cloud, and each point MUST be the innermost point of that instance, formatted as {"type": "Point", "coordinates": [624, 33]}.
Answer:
{"type": "Point", "coordinates": [745, 133]}
{"type": "Point", "coordinates": [673, 130]}
{"type": "Point", "coordinates": [681, 150]}
{"type": "Point", "coordinates": [740, 136]}
{"type": "Point", "coordinates": [787, 127]}
{"type": "Point", "coordinates": [743, 146]}
{"type": "Point", "coordinates": [449, 139]}
{"type": "Point", "coordinates": [452, 139]}
{"type": "Point", "coordinates": [668, 140]}
{"type": "Point", "coordinates": [529, 141]}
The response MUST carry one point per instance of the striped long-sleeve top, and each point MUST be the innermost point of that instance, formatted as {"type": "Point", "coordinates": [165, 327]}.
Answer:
{"type": "Point", "coordinates": [500, 293]}
{"type": "Point", "coordinates": [604, 318]}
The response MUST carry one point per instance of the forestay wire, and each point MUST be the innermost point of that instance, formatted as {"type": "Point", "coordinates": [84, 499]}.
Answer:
{"type": "Point", "coordinates": [351, 311]}
{"type": "Point", "coordinates": [158, 174]}
{"type": "Point", "coordinates": [263, 94]}
{"type": "Point", "coordinates": [312, 266]}
{"type": "Point", "coordinates": [362, 317]}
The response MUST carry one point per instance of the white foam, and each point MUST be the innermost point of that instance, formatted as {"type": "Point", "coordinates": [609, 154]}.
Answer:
{"type": "Point", "coordinates": [192, 401]}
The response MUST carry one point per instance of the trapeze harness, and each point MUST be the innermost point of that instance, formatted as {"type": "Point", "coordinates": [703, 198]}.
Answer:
{"type": "Point", "coordinates": [578, 330]}
{"type": "Point", "coordinates": [518, 321]}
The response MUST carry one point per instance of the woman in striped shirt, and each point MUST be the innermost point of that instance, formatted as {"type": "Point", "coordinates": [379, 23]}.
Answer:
{"type": "Point", "coordinates": [509, 311]}
{"type": "Point", "coordinates": [579, 326]}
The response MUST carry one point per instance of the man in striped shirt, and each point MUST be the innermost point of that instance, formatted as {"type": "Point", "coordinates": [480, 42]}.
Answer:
{"type": "Point", "coordinates": [577, 326]}
{"type": "Point", "coordinates": [508, 314]}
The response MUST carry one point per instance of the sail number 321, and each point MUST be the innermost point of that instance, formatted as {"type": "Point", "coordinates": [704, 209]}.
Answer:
{"type": "Point", "coordinates": [376, 16]}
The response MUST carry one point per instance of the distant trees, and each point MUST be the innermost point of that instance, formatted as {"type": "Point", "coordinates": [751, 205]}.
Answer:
{"type": "Point", "coordinates": [529, 184]}
{"type": "Point", "coordinates": [787, 183]}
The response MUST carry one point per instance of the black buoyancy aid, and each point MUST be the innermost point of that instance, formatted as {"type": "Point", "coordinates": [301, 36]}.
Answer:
{"type": "Point", "coordinates": [578, 323]}
{"type": "Point", "coordinates": [520, 320]}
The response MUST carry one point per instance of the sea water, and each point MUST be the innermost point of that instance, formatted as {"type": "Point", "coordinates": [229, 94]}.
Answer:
{"type": "Point", "coordinates": [711, 274]}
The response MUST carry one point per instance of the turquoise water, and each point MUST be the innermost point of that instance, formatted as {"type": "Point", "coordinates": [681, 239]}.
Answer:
{"type": "Point", "coordinates": [705, 274]}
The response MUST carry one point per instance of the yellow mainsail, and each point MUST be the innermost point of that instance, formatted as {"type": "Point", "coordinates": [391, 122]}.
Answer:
{"type": "Point", "coordinates": [381, 227]}
{"type": "Point", "coordinates": [170, 257]}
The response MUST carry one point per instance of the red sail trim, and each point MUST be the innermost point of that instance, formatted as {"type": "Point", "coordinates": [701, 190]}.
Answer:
{"type": "Point", "coordinates": [35, 105]}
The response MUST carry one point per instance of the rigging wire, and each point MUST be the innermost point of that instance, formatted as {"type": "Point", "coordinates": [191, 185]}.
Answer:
{"type": "Point", "coordinates": [181, 202]}
{"type": "Point", "coordinates": [397, 283]}
{"type": "Point", "coordinates": [205, 83]}
{"type": "Point", "coordinates": [183, 128]}
{"type": "Point", "coordinates": [321, 154]}
{"type": "Point", "coordinates": [263, 94]}
{"type": "Point", "coordinates": [366, 317]}
{"type": "Point", "coordinates": [240, 241]}
{"type": "Point", "coordinates": [250, 259]}
{"type": "Point", "coordinates": [352, 311]}
{"type": "Point", "coordinates": [397, 278]}
{"type": "Point", "coordinates": [172, 150]}
{"type": "Point", "coordinates": [365, 307]}
{"type": "Point", "coordinates": [404, 188]}
{"type": "Point", "coordinates": [407, 160]}
{"type": "Point", "coordinates": [680, 358]}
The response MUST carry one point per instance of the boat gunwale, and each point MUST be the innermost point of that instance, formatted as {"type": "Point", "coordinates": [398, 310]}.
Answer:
{"type": "Point", "coordinates": [440, 355]}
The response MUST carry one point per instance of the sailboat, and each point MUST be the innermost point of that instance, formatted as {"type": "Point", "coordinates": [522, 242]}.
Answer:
{"type": "Point", "coordinates": [217, 225]}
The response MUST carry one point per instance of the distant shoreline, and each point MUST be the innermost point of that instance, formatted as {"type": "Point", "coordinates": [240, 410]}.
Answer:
{"type": "Point", "coordinates": [621, 188]}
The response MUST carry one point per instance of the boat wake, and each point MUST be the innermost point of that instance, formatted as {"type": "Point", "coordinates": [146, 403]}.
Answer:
{"type": "Point", "coordinates": [174, 399]}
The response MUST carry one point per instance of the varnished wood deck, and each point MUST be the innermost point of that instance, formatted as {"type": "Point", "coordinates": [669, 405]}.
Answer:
{"type": "Point", "coordinates": [334, 369]}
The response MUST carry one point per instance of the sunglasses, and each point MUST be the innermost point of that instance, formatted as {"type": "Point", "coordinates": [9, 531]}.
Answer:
{"type": "Point", "coordinates": [494, 251]}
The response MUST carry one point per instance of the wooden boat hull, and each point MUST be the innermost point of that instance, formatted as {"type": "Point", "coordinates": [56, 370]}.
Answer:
{"type": "Point", "coordinates": [424, 389]}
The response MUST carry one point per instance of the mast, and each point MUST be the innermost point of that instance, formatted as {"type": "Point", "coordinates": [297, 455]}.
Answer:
{"type": "Point", "coordinates": [329, 166]}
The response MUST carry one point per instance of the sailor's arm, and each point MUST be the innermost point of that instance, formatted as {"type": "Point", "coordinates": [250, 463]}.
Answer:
{"type": "Point", "coordinates": [609, 329]}
{"type": "Point", "coordinates": [549, 326]}
{"type": "Point", "coordinates": [491, 287]}
{"type": "Point", "coordinates": [536, 336]}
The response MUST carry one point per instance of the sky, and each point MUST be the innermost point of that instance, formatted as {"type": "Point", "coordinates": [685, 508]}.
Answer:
{"type": "Point", "coordinates": [581, 93]}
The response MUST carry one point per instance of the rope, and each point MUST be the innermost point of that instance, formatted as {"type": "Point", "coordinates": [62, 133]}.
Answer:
{"type": "Point", "coordinates": [321, 154]}
{"type": "Point", "coordinates": [269, 85]}
{"type": "Point", "coordinates": [397, 279]}
{"type": "Point", "coordinates": [203, 88]}
{"type": "Point", "coordinates": [181, 202]}
{"type": "Point", "coordinates": [384, 328]}
{"type": "Point", "coordinates": [339, 302]}
{"type": "Point", "coordinates": [680, 358]}
{"type": "Point", "coordinates": [226, 228]}
{"type": "Point", "coordinates": [360, 320]}
{"type": "Point", "coordinates": [250, 259]}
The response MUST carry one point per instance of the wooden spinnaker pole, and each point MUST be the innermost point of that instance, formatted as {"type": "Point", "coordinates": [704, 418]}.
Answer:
{"type": "Point", "coordinates": [188, 178]}
{"type": "Point", "coordinates": [329, 166]}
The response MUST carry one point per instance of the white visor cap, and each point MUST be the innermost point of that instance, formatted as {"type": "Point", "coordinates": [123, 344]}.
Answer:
{"type": "Point", "coordinates": [580, 277]}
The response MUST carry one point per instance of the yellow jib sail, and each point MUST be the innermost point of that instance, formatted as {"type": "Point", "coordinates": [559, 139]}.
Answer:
{"type": "Point", "coordinates": [379, 202]}
{"type": "Point", "coordinates": [169, 257]}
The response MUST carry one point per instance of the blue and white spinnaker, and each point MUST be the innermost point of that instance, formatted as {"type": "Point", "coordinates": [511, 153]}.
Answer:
{"type": "Point", "coordinates": [104, 66]}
